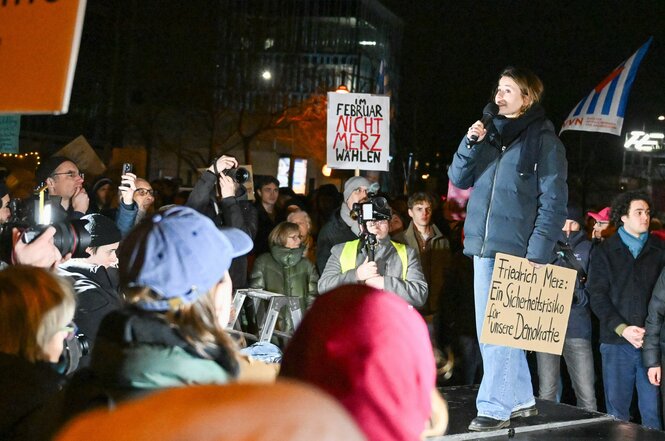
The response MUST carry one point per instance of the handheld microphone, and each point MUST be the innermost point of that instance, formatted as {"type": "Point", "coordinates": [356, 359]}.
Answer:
{"type": "Point", "coordinates": [489, 112]}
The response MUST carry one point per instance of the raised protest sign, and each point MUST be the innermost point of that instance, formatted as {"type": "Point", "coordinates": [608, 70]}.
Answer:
{"type": "Point", "coordinates": [358, 134]}
{"type": "Point", "coordinates": [528, 307]}
{"type": "Point", "coordinates": [39, 42]}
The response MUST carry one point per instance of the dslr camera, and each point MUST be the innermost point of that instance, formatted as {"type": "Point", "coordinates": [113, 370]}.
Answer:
{"type": "Point", "coordinates": [33, 216]}
{"type": "Point", "coordinates": [375, 208]}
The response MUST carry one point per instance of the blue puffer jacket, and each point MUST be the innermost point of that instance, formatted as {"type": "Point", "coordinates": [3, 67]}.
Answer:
{"type": "Point", "coordinates": [520, 215]}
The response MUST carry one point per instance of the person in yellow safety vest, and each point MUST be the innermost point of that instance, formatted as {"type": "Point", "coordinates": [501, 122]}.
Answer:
{"type": "Point", "coordinates": [395, 267]}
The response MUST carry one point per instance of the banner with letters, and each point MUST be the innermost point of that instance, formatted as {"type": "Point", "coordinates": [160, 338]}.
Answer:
{"type": "Point", "coordinates": [528, 307]}
{"type": "Point", "coordinates": [604, 109]}
{"type": "Point", "coordinates": [358, 131]}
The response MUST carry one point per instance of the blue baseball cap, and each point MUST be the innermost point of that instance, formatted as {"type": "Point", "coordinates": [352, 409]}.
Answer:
{"type": "Point", "coordinates": [180, 255]}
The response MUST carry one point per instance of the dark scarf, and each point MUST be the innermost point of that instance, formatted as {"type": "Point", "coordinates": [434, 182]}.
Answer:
{"type": "Point", "coordinates": [528, 129]}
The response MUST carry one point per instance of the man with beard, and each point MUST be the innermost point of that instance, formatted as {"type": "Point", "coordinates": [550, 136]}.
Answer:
{"type": "Point", "coordinates": [341, 227]}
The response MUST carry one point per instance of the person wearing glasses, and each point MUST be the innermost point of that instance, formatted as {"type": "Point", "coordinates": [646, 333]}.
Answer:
{"type": "Point", "coordinates": [36, 310]}
{"type": "Point", "coordinates": [64, 180]}
{"type": "Point", "coordinates": [395, 267]}
{"type": "Point", "coordinates": [284, 269]}
{"type": "Point", "coordinates": [144, 196]}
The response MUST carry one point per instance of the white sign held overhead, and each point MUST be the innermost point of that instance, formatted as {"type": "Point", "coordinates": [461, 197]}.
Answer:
{"type": "Point", "coordinates": [358, 133]}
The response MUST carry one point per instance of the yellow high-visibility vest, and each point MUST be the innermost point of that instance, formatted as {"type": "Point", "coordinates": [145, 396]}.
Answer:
{"type": "Point", "coordinates": [347, 259]}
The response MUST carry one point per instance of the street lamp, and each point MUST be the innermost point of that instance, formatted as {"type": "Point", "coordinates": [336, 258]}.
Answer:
{"type": "Point", "coordinates": [266, 75]}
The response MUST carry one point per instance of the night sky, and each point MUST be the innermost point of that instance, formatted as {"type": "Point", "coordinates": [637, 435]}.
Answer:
{"type": "Point", "coordinates": [454, 50]}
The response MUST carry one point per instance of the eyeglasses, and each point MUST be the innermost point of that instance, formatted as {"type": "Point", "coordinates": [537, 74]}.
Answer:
{"type": "Point", "coordinates": [71, 174]}
{"type": "Point", "coordinates": [377, 223]}
{"type": "Point", "coordinates": [145, 191]}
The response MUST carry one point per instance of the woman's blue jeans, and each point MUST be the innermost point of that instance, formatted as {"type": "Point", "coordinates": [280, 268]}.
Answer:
{"type": "Point", "coordinates": [506, 384]}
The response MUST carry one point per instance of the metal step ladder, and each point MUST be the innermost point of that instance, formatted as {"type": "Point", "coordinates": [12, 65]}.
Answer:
{"type": "Point", "coordinates": [267, 307]}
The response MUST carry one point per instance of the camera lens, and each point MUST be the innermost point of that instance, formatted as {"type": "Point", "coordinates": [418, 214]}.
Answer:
{"type": "Point", "coordinates": [240, 174]}
{"type": "Point", "coordinates": [72, 238]}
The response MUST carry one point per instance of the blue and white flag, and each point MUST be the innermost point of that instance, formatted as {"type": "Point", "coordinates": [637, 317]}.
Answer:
{"type": "Point", "coordinates": [604, 108]}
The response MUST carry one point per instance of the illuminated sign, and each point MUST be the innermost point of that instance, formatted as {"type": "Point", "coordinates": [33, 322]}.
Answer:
{"type": "Point", "coordinates": [643, 142]}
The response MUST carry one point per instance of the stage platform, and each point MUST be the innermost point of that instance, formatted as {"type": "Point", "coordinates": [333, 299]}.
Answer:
{"type": "Point", "coordinates": [553, 422]}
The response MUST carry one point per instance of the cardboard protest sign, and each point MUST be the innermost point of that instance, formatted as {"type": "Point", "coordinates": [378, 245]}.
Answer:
{"type": "Point", "coordinates": [39, 43]}
{"type": "Point", "coordinates": [528, 307]}
{"type": "Point", "coordinates": [82, 153]}
{"type": "Point", "coordinates": [358, 131]}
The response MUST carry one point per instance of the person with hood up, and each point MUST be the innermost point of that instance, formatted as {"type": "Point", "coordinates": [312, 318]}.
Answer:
{"type": "Point", "coordinates": [371, 351]}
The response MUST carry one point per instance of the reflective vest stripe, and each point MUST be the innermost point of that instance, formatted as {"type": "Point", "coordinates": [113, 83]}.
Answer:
{"type": "Point", "coordinates": [347, 259]}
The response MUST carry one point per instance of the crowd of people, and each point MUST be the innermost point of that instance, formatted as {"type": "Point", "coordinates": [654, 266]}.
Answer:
{"type": "Point", "coordinates": [140, 300]}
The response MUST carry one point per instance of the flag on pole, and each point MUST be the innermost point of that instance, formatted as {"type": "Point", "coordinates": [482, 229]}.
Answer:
{"type": "Point", "coordinates": [604, 108]}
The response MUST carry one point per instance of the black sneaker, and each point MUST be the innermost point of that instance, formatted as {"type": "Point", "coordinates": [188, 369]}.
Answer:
{"type": "Point", "coordinates": [524, 412]}
{"type": "Point", "coordinates": [486, 424]}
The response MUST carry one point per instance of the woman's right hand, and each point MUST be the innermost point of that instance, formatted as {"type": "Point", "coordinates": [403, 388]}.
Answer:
{"type": "Point", "coordinates": [477, 129]}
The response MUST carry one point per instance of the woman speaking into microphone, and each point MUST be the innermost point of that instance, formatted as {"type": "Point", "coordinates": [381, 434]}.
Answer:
{"type": "Point", "coordinates": [517, 167]}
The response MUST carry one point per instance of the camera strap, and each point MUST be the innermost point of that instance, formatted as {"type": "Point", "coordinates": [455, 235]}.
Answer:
{"type": "Point", "coordinates": [218, 187]}
{"type": "Point", "coordinates": [566, 253]}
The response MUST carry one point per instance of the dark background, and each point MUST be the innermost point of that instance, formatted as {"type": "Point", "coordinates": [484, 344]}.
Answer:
{"type": "Point", "coordinates": [454, 51]}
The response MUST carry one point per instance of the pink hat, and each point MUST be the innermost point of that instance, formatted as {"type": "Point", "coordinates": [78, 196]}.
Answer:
{"type": "Point", "coordinates": [371, 351]}
{"type": "Point", "coordinates": [602, 216]}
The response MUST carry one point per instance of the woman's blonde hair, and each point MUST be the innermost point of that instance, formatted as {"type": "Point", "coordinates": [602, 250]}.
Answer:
{"type": "Point", "coordinates": [197, 322]}
{"type": "Point", "coordinates": [34, 305]}
{"type": "Point", "coordinates": [280, 233]}
{"type": "Point", "coordinates": [530, 85]}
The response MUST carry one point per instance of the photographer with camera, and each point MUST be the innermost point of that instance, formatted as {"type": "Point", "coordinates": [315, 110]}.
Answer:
{"type": "Point", "coordinates": [572, 251]}
{"type": "Point", "coordinates": [220, 195]}
{"type": "Point", "coordinates": [341, 227]}
{"type": "Point", "coordinates": [375, 260]}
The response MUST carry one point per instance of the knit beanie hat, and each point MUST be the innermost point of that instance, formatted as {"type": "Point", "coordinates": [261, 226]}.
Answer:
{"type": "Point", "coordinates": [102, 229]}
{"type": "Point", "coordinates": [575, 213]}
{"type": "Point", "coordinates": [100, 182]}
{"type": "Point", "coordinates": [352, 184]}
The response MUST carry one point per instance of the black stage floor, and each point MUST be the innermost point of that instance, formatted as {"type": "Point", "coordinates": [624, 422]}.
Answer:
{"type": "Point", "coordinates": [553, 422]}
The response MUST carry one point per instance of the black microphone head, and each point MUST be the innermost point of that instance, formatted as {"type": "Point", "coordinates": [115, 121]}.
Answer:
{"type": "Point", "coordinates": [491, 110]}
